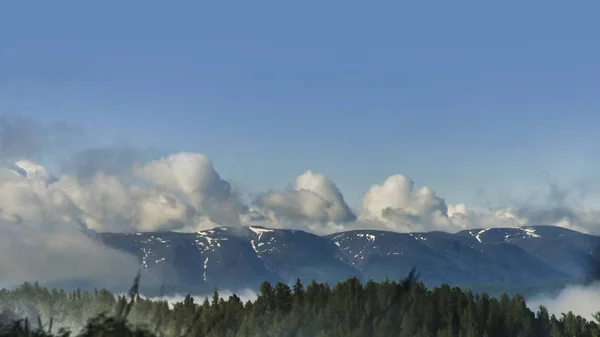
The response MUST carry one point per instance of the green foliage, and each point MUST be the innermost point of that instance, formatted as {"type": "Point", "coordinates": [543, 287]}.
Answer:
{"type": "Point", "coordinates": [348, 309]}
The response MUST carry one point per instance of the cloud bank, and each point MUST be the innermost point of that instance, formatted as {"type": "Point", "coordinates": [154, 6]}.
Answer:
{"type": "Point", "coordinates": [184, 192]}
{"type": "Point", "coordinates": [120, 190]}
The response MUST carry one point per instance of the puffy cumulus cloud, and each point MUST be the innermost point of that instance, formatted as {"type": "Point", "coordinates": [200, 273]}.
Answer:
{"type": "Point", "coordinates": [457, 209]}
{"type": "Point", "coordinates": [115, 190]}
{"type": "Point", "coordinates": [184, 192]}
{"type": "Point", "coordinates": [397, 206]}
{"type": "Point", "coordinates": [46, 222]}
{"type": "Point", "coordinates": [194, 176]}
{"type": "Point", "coordinates": [190, 173]}
{"type": "Point", "coordinates": [314, 201]}
{"type": "Point", "coordinates": [105, 203]}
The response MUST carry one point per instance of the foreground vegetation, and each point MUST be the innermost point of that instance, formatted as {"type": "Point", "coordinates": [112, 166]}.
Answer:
{"type": "Point", "coordinates": [405, 309]}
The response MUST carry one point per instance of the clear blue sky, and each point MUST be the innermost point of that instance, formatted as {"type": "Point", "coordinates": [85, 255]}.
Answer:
{"type": "Point", "coordinates": [458, 95]}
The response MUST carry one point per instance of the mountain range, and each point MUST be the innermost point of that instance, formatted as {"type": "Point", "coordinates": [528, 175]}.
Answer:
{"type": "Point", "coordinates": [240, 258]}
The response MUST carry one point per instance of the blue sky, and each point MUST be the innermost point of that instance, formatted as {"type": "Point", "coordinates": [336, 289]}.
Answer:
{"type": "Point", "coordinates": [460, 96]}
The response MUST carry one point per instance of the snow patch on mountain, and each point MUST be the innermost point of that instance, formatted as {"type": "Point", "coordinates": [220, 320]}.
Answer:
{"type": "Point", "coordinates": [211, 240]}
{"type": "Point", "coordinates": [260, 231]}
{"type": "Point", "coordinates": [417, 236]}
{"type": "Point", "coordinates": [205, 267]}
{"type": "Point", "coordinates": [530, 232]}
{"type": "Point", "coordinates": [478, 235]}
{"type": "Point", "coordinates": [370, 237]}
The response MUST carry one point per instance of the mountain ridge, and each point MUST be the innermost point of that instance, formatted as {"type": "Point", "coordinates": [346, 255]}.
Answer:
{"type": "Point", "coordinates": [237, 258]}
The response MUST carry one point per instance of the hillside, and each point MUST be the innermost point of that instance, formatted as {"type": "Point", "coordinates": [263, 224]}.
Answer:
{"type": "Point", "coordinates": [237, 258]}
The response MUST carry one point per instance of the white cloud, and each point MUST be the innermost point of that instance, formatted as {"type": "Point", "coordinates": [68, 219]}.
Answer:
{"type": "Point", "coordinates": [184, 192]}
{"type": "Point", "coordinates": [193, 176]}
{"type": "Point", "coordinates": [397, 206]}
{"type": "Point", "coordinates": [581, 300]}
{"type": "Point", "coordinates": [315, 199]}
{"type": "Point", "coordinates": [44, 221]}
{"type": "Point", "coordinates": [55, 251]}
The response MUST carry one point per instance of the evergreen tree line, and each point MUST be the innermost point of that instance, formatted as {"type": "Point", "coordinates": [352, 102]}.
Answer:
{"type": "Point", "coordinates": [348, 309]}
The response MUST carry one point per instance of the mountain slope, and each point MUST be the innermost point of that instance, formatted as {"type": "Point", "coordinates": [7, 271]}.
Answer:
{"type": "Point", "coordinates": [237, 258]}
{"type": "Point", "coordinates": [471, 257]}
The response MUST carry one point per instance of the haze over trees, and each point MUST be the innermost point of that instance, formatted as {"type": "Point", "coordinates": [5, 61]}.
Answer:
{"type": "Point", "coordinates": [349, 309]}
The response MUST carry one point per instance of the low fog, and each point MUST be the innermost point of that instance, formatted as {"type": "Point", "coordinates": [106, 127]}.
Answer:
{"type": "Point", "coordinates": [581, 300]}
{"type": "Point", "coordinates": [246, 295]}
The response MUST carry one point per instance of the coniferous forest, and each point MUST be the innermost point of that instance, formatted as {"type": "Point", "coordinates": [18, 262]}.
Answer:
{"type": "Point", "coordinates": [348, 309]}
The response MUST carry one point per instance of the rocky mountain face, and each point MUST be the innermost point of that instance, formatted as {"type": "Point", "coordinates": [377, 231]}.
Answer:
{"type": "Point", "coordinates": [238, 258]}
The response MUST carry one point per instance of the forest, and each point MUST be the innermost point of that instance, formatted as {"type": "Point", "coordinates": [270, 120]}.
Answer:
{"type": "Point", "coordinates": [404, 308]}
